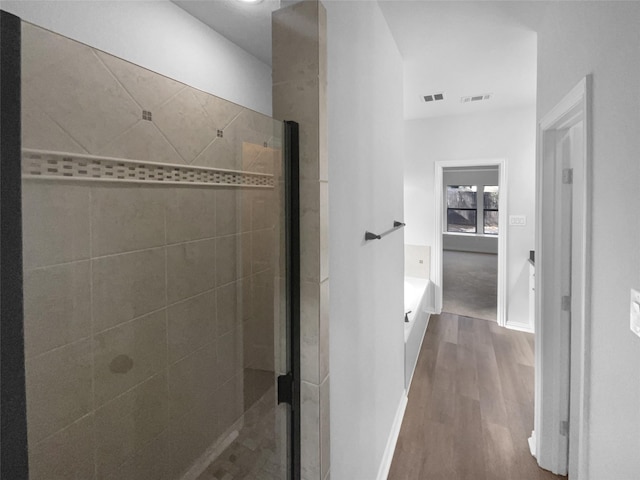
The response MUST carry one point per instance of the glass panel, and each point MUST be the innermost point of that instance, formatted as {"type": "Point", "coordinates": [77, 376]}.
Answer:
{"type": "Point", "coordinates": [491, 222]}
{"type": "Point", "coordinates": [462, 196]}
{"type": "Point", "coordinates": [154, 312]}
{"type": "Point", "coordinates": [461, 220]}
{"type": "Point", "coordinates": [491, 197]}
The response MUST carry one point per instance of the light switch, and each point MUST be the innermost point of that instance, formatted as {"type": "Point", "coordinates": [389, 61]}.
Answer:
{"type": "Point", "coordinates": [634, 315]}
{"type": "Point", "coordinates": [517, 220]}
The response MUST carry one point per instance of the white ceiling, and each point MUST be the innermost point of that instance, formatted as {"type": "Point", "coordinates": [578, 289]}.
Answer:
{"type": "Point", "coordinates": [459, 48]}
{"type": "Point", "coordinates": [462, 49]}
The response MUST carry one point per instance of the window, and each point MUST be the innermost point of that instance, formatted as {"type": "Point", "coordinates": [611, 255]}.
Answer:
{"type": "Point", "coordinates": [462, 204]}
{"type": "Point", "coordinates": [464, 211]}
{"type": "Point", "coordinates": [490, 213]}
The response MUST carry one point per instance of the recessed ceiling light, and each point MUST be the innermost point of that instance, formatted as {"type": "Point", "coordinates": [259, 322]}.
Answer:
{"type": "Point", "coordinates": [252, 2]}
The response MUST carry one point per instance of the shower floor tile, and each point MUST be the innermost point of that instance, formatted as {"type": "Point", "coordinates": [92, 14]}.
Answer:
{"type": "Point", "coordinates": [255, 454]}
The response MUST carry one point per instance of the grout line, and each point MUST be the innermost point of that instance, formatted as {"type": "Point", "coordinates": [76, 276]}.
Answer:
{"type": "Point", "coordinates": [113, 75]}
{"type": "Point", "coordinates": [67, 426]}
{"type": "Point", "coordinates": [91, 344]}
{"type": "Point", "coordinates": [166, 317]}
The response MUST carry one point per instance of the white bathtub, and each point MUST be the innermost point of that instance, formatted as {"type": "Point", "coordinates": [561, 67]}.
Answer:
{"type": "Point", "coordinates": [417, 298]}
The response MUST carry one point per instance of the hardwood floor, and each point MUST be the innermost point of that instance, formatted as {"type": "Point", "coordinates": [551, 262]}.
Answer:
{"type": "Point", "coordinates": [470, 407]}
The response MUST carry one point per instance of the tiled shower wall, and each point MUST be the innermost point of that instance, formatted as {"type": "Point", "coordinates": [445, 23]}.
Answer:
{"type": "Point", "coordinates": [149, 310]}
{"type": "Point", "coordinates": [300, 92]}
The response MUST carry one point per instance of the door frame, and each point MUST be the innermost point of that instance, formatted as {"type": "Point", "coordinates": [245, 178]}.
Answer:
{"type": "Point", "coordinates": [436, 268]}
{"type": "Point", "coordinates": [550, 393]}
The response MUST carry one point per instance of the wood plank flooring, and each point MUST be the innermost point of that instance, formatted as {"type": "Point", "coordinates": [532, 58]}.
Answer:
{"type": "Point", "coordinates": [470, 407]}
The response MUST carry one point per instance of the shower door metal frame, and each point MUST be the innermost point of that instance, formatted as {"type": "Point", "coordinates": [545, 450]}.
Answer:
{"type": "Point", "coordinates": [289, 384]}
{"type": "Point", "coordinates": [13, 412]}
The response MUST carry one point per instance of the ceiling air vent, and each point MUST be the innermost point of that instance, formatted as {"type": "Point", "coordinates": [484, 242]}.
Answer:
{"type": "Point", "coordinates": [476, 98]}
{"type": "Point", "coordinates": [434, 97]}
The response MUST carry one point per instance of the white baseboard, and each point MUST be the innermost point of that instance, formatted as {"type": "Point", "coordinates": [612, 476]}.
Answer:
{"type": "Point", "coordinates": [387, 457]}
{"type": "Point", "coordinates": [424, 333]}
{"type": "Point", "coordinates": [532, 443]}
{"type": "Point", "coordinates": [521, 327]}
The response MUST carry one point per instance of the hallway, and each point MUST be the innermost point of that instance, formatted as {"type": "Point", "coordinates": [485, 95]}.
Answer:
{"type": "Point", "coordinates": [470, 407]}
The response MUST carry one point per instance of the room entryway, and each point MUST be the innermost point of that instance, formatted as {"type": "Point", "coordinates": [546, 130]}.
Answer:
{"type": "Point", "coordinates": [470, 284]}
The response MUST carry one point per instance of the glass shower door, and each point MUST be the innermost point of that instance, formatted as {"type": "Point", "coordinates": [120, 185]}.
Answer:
{"type": "Point", "coordinates": [155, 274]}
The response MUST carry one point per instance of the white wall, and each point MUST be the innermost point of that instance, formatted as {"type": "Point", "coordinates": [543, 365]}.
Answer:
{"type": "Point", "coordinates": [365, 193]}
{"type": "Point", "coordinates": [603, 38]}
{"type": "Point", "coordinates": [162, 37]}
{"type": "Point", "coordinates": [508, 134]}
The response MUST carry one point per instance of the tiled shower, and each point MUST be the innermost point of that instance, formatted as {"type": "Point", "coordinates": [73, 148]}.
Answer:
{"type": "Point", "coordinates": [153, 252]}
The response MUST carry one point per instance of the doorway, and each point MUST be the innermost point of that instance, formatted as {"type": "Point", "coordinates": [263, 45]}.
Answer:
{"type": "Point", "coordinates": [562, 287]}
{"type": "Point", "coordinates": [438, 271]}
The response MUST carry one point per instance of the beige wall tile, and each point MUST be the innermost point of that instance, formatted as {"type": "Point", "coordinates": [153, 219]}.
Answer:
{"type": "Point", "coordinates": [300, 100]}
{"type": "Point", "coordinates": [227, 209]}
{"type": "Point", "coordinates": [324, 231]}
{"type": "Point", "coordinates": [220, 112]}
{"type": "Point", "coordinates": [263, 297]}
{"type": "Point", "coordinates": [57, 306]}
{"type": "Point", "coordinates": [55, 220]}
{"type": "Point", "coordinates": [127, 286]}
{"type": "Point", "coordinates": [257, 384]}
{"type": "Point", "coordinates": [68, 454]}
{"type": "Point", "coordinates": [220, 153]}
{"type": "Point", "coordinates": [325, 443]}
{"type": "Point", "coordinates": [259, 341]}
{"type": "Point", "coordinates": [153, 462]}
{"type": "Point", "coordinates": [309, 332]}
{"type": "Point", "coordinates": [192, 379]}
{"type": "Point", "coordinates": [263, 210]}
{"type": "Point", "coordinates": [323, 127]}
{"type": "Point", "coordinates": [83, 98]}
{"type": "Point", "coordinates": [228, 261]}
{"type": "Point", "coordinates": [42, 49]}
{"type": "Point", "coordinates": [147, 88]}
{"type": "Point", "coordinates": [227, 307]}
{"type": "Point", "coordinates": [229, 355]}
{"type": "Point", "coordinates": [262, 250]}
{"type": "Point", "coordinates": [309, 231]}
{"type": "Point", "coordinates": [127, 423]}
{"type": "Point", "coordinates": [192, 434]}
{"type": "Point", "coordinates": [295, 42]}
{"type": "Point", "coordinates": [143, 141]}
{"type": "Point", "coordinates": [230, 402]}
{"type": "Point", "coordinates": [310, 430]}
{"type": "Point", "coordinates": [191, 269]}
{"type": "Point", "coordinates": [245, 209]}
{"type": "Point", "coordinates": [191, 214]}
{"type": "Point", "coordinates": [128, 354]}
{"type": "Point", "coordinates": [227, 152]}
{"type": "Point", "coordinates": [126, 218]}
{"type": "Point", "coordinates": [323, 343]}
{"type": "Point", "coordinates": [58, 389]}
{"type": "Point", "coordinates": [41, 132]}
{"type": "Point", "coordinates": [246, 254]}
{"type": "Point", "coordinates": [257, 158]}
{"type": "Point", "coordinates": [192, 324]}
{"type": "Point", "coordinates": [184, 122]}
{"type": "Point", "coordinates": [245, 302]}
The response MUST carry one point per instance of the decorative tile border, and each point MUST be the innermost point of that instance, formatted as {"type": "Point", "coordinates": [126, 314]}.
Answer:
{"type": "Point", "coordinates": [46, 165]}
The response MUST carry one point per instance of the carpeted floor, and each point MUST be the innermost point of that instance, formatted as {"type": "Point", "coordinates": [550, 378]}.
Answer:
{"type": "Point", "coordinates": [470, 282]}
